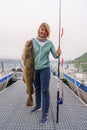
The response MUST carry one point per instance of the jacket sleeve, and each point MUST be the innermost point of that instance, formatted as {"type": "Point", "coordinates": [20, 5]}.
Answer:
{"type": "Point", "coordinates": [53, 51]}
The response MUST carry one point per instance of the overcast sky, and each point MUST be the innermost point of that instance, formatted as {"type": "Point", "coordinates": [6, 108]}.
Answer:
{"type": "Point", "coordinates": [20, 19]}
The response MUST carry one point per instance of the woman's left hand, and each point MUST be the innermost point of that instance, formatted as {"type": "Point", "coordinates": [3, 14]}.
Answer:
{"type": "Point", "coordinates": [58, 52]}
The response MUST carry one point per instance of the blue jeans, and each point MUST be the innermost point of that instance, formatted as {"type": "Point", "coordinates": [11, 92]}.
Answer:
{"type": "Point", "coordinates": [41, 83]}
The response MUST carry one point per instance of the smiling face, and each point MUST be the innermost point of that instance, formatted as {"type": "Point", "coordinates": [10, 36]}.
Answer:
{"type": "Point", "coordinates": [44, 30]}
{"type": "Point", "coordinates": [43, 33]}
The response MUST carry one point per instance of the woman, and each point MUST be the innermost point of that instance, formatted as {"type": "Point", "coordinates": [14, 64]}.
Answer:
{"type": "Point", "coordinates": [42, 48]}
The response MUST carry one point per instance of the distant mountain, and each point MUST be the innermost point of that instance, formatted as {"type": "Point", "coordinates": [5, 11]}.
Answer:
{"type": "Point", "coordinates": [81, 59]}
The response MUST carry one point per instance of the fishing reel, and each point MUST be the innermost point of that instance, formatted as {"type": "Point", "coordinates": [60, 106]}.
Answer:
{"type": "Point", "coordinates": [60, 100]}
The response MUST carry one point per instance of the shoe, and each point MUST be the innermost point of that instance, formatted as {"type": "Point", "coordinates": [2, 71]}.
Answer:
{"type": "Point", "coordinates": [43, 121]}
{"type": "Point", "coordinates": [35, 109]}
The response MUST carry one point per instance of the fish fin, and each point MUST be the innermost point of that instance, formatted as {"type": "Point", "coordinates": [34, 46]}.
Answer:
{"type": "Point", "coordinates": [29, 89]}
{"type": "Point", "coordinates": [29, 101]}
{"type": "Point", "coordinates": [32, 90]}
{"type": "Point", "coordinates": [24, 79]}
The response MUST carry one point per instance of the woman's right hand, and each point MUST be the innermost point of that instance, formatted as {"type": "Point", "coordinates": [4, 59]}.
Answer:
{"type": "Point", "coordinates": [58, 52]}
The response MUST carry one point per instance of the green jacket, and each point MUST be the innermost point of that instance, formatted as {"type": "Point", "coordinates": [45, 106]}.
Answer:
{"type": "Point", "coordinates": [41, 53]}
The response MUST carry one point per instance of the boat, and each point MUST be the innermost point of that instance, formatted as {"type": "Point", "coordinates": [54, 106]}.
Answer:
{"type": "Point", "coordinates": [10, 72]}
{"type": "Point", "coordinates": [77, 81]}
{"type": "Point", "coordinates": [5, 77]}
{"type": "Point", "coordinates": [75, 78]}
{"type": "Point", "coordinates": [79, 87]}
{"type": "Point", "coordinates": [17, 74]}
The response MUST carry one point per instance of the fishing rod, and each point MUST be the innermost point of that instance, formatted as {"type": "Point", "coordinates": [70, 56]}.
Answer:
{"type": "Point", "coordinates": [57, 120]}
{"type": "Point", "coordinates": [59, 36]}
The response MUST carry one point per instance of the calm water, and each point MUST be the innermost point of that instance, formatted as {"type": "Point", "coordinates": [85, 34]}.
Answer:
{"type": "Point", "coordinates": [9, 64]}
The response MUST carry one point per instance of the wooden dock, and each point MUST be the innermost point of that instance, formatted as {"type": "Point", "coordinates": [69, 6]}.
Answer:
{"type": "Point", "coordinates": [15, 115]}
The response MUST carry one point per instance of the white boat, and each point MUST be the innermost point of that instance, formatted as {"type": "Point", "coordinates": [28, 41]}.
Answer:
{"type": "Point", "coordinates": [9, 73]}
{"type": "Point", "coordinates": [77, 82]}
{"type": "Point", "coordinates": [17, 74]}
{"type": "Point", "coordinates": [5, 77]}
{"type": "Point", "coordinates": [79, 87]}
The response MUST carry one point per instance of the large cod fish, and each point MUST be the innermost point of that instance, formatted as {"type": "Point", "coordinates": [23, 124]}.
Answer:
{"type": "Point", "coordinates": [28, 70]}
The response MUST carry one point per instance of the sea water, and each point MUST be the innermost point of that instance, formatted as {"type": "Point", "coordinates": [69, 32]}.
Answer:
{"type": "Point", "coordinates": [9, 64]}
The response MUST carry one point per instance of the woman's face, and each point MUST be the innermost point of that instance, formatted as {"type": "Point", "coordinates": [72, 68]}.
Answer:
{"type": "Point", "coordinates": [43, 32]}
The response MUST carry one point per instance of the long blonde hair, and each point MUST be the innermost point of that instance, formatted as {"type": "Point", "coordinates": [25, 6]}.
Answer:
{"type": "Point", "coordinates": [47, 27]}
